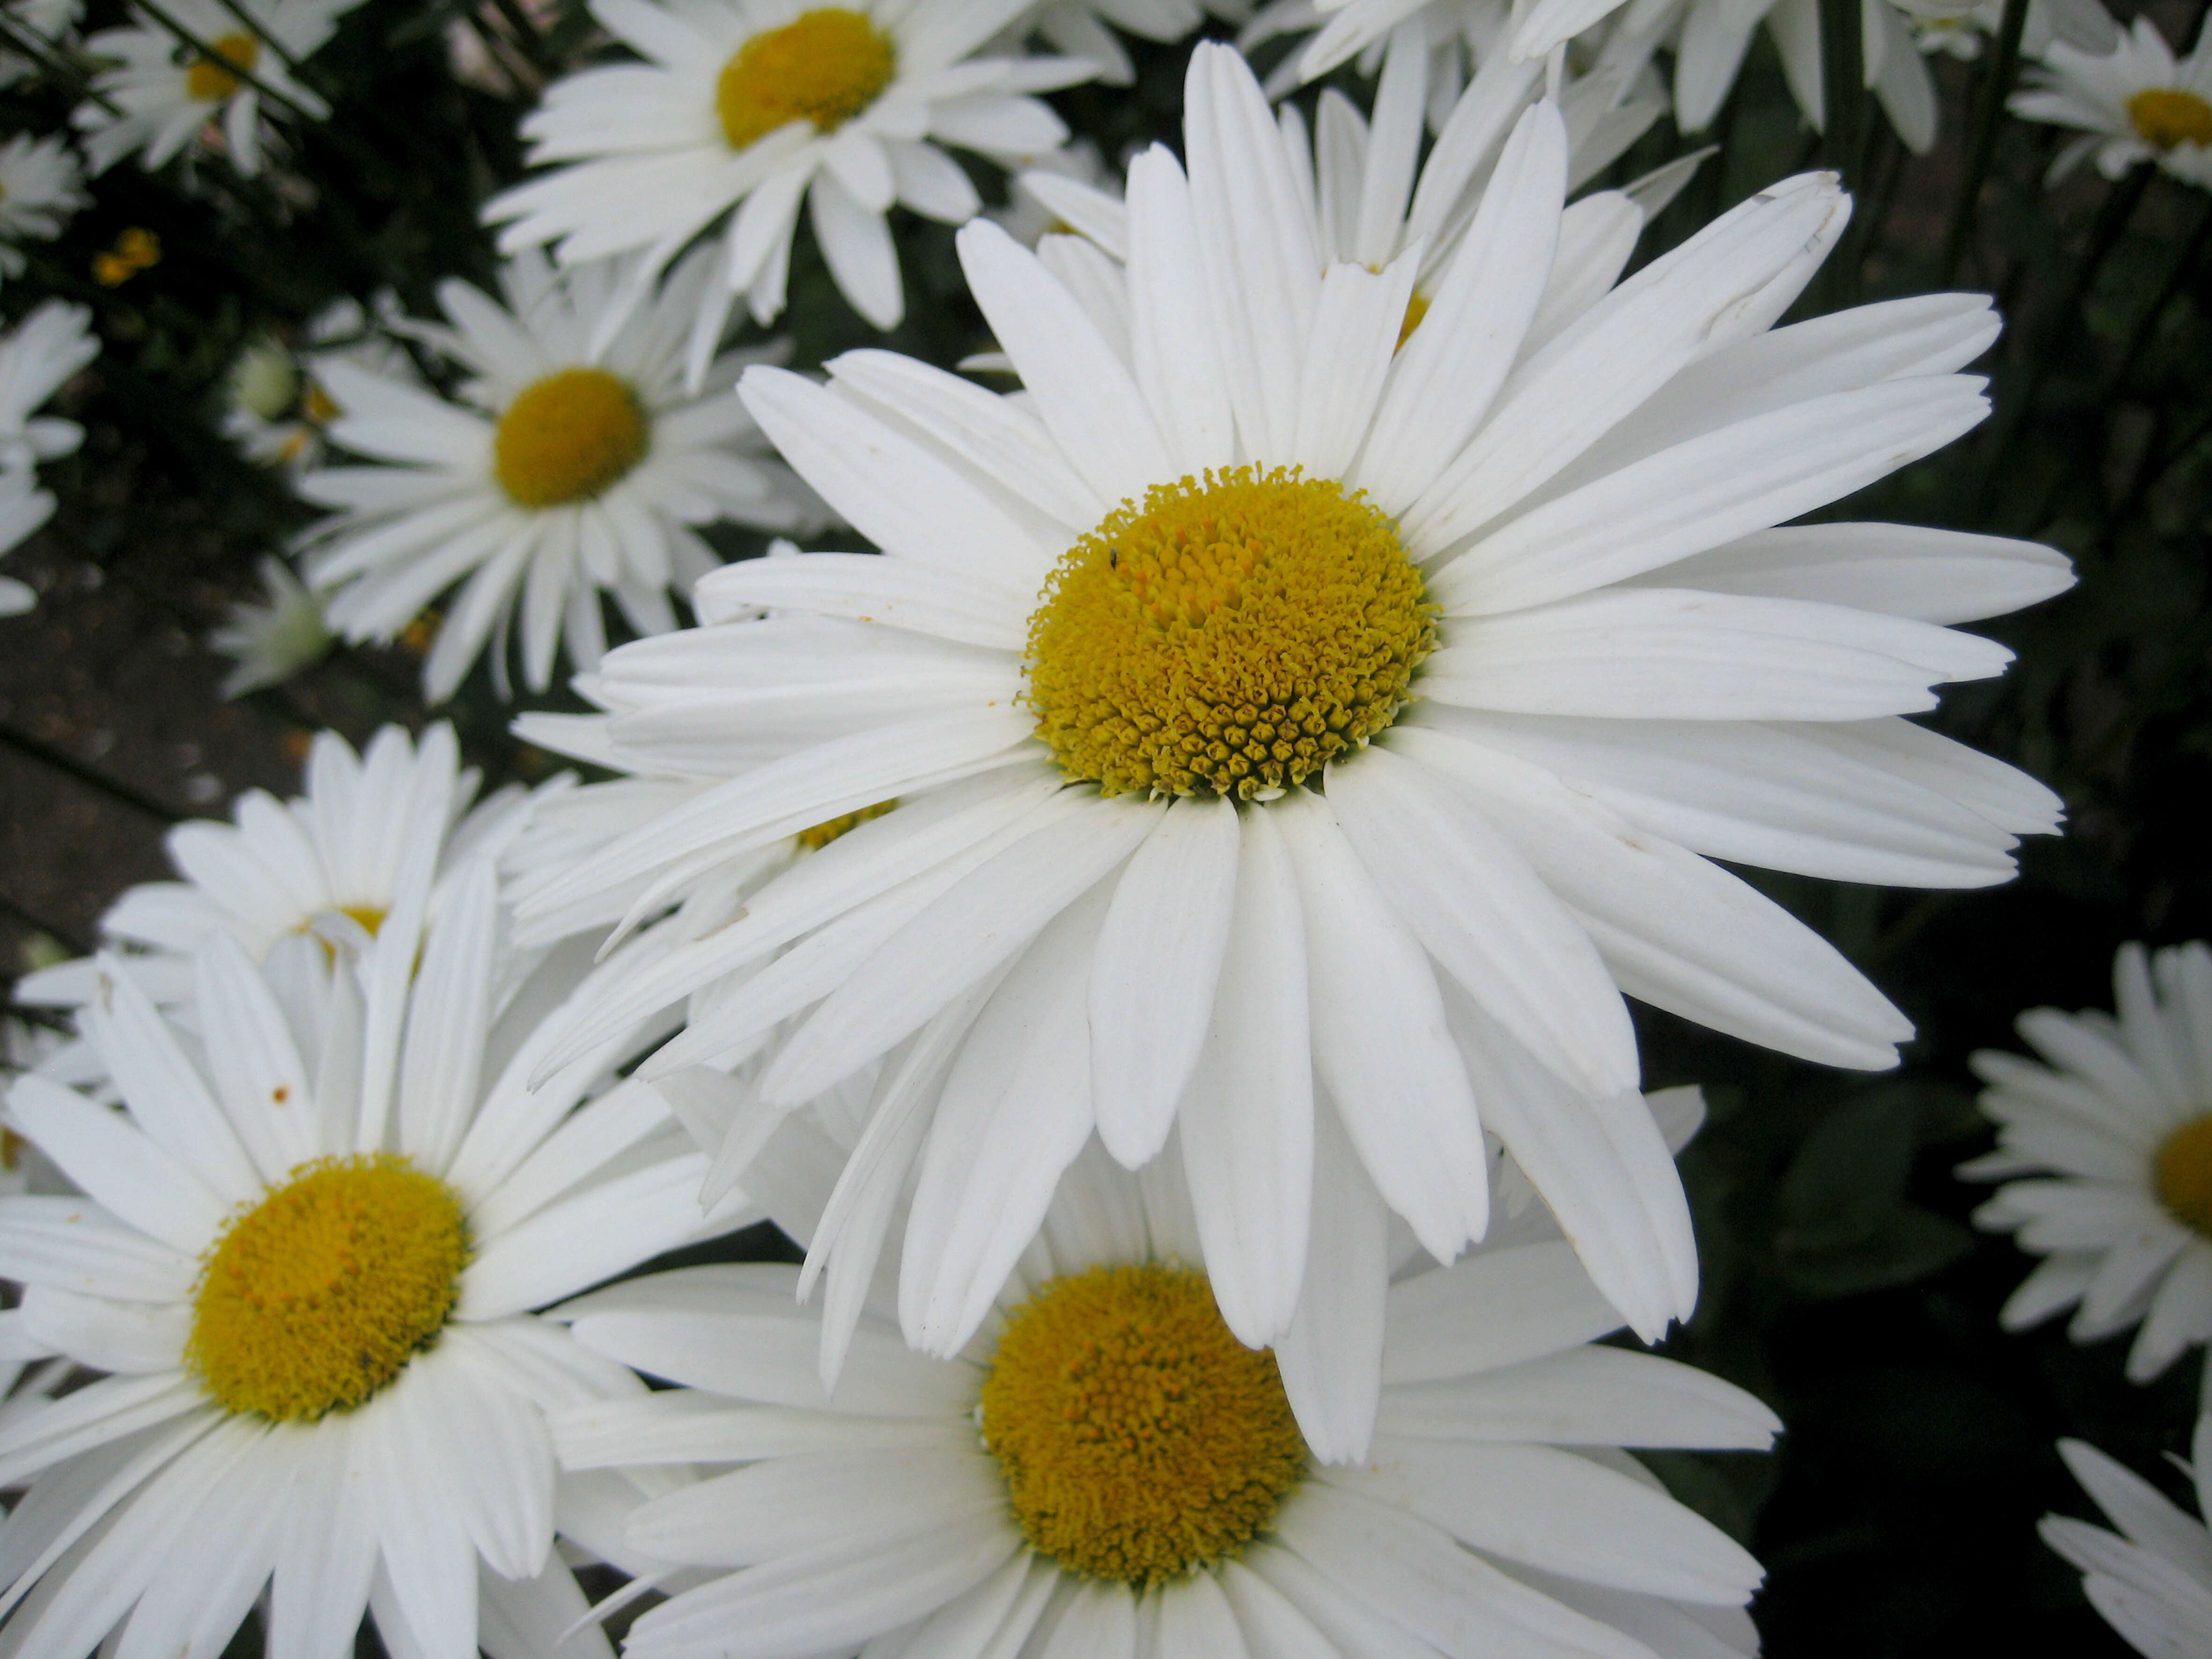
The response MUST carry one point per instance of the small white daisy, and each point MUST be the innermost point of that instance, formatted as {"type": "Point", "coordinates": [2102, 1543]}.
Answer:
{"type": "Point", "coordinates": [2152, 1580]}
{"type": "Point", "coordinates": [1506, 641]}
{"type": "Point", "coordinates": [168, 95]}
{"type": "Point", "coordinates": [1107, 1471]}
{"type": "Point", "coordinates": [1958, 27]}
{"type": "Point", "coordinates": [36, 356]}
{"type": "Point", "coordinates": [1085, 28]}
{"type": "Point", "coordinates": [39, 189]}
{"type": "Point", "coordinates": [52, 21]}
{"type": "Point", "coordinates": [761, 105]}
{"type": "Point", "coordinates": [2137, 103]}
{"type": "Point", "coordinates": [307, 1253]}
{"type": "Point", "coordinates": [563, 473]}
{"type": "Point", "coordinates": [2116, 1130]}
{"type": "Point", "coordinates": [279, 411]}
{"type": "Point", "coordinates": [269, 641]}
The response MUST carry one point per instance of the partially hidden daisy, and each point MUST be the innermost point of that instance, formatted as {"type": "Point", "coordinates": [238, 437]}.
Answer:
{"type": "Point", "coordinates": [567, 472]}
{"type": "Point", "coordinates": [41, 188]}
{"type": "Point", "coordinates": [163, 95]}
{"type": "Point", "coordinates": [52, 22]}
{"type": "Point", "coordinates": [2106, 1151]}
{"type": "Point", "coordinates": [305, 1255]}
{"type": "Point", "coordinates": [36, 356]}
{"type": "Point", "coordinates": [2138, 103]}
{"type": "Point", "coordinates": [1106, 1470]}
{"type": "Point", "coordinates": [278, 411]}
{"type": "Point", "coordinates": [1086, 28]}
{"type": "Point", "coordinates": [743, 110]}
{"type": "Point", "coordinates": [1282, 723]}
{"type": "Point", "coordinates": [2152, 1580]}
{"type": "Point", "coordinates": [271, 641]}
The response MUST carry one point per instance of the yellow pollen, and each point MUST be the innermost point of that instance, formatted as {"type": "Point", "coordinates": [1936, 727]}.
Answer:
{"type": "Point", "coordinates": [825, 66]}
{"type": "Point", "coordinates": [1228, 637]}
{"type": "Point", "coordinates": [209, 81]}
{"type": "Point", "coordinates": [1416, 309]}
{"type": "Point", "coordinates": [318, 1296]}
{"type": "Point", "coordinates": [568, 437]}
{"type": "Point", "coordinates": [2165, 116]}
{"type": "Point", "coordinates": [320, 409]}
{"type": "Point", "coordinates": [2182, 1174]}
{"type": "Point", "coordinates": [822, 834]}
{"type": "Point", "coordinates": [1139, 1439]}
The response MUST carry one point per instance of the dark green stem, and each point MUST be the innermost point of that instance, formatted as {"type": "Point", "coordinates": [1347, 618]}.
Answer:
{"type": "Point", "coordinates": [1997, 86]}
{"type": "Point", "coordinates": [1842, 145]}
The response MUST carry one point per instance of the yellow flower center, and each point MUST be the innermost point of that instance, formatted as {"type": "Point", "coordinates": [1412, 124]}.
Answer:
{"type": "Point", "coordinates": [1139, 1440]}
{"type": "Point", "coordinates": [2166, 116]}
{"type": "Point", "coordinates": [2182, 1174]}
{"type": "Point", "coordinates": [822, 834]}
{"type": "Point", "coordinates": [825, 66]}
{"type": "Point", "coordinates": [320, 409]}
{"type": "Point", "coordinates": [1231, 636]}
{"type": "Point", "coordinates": [211, 81]}
{"type": "Point", "coordinates": [316, 1297]}
{"type": "Point", "coordinates": [568, 437]}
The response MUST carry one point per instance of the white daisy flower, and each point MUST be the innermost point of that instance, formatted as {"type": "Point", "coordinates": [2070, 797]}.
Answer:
{"type": "Point", "coordinates": [279, 410]}
{"type": "Point", "coordinates": [36, 356]}
{"type": "Point", "coordinates": [271, 641]}
{"type": "Point", "coordinates": [1957, 26]}
{"type": "Point", "coordinates": [2115, 1133]}
{"type": "Point", "coordinates": [1107, 1471]}
{"type": "Point", "coordinates": [757, 105]}
{"type": "Point", "coordinates": [564, 472]}
{"type": "Point", "coordinates": [325, 867]}
{"type": "Point", "coordinates": [2138, 103]}
{"type": "Point", "coordinates": [170, 95]}
{"type": "Point", "coordinates": [2152, 1580]}
{"type": "Point", "coordinates": [39, 189]}
{"type": "Point", "coordinates": [1085, 28]}
{"type": "Point", "coordinates": [51, 21]}
{"type": "Point", "coordinates": [306, 1254]}
{"type": "Point", "coordinates": [1505, 642]}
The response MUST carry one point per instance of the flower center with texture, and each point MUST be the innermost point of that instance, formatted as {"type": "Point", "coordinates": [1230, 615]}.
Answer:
{"type": "Point", "coordinates": [829, 829]}
{"type": "Point", "coordinates": [209, 82]}
{"type": "Point", "coordinates": [1231, 636]}
{"type": "Point", "coordinates": [2182, 1174]}
{"type": "Point", "coordinates": [2165, 116]}
{"type": "Point", "coordinates": [825, 66]}
{"type": "Point", "coordinates": [568, 437]}
{"type": "Point", "coordinates": [1139, 1439]}
{"type": "Point", "coordinates": [317, 1297]}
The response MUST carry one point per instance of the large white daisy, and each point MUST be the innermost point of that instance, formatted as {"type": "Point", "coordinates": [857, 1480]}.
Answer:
{"type": "Point", "coordinates": [2153, 1579]}
{"type": "Point", "coordinates": [759, 105]}
{"type": "Point", "coordinates": [2114, 1136]}
{"type": "Point", "coordinates": [36, 356]}
{"type": "Point", "coordinates": [1140, 1483]}
{"type": "Point", "coordinates": [2137, 103]}
{"type": "Point", "coordinates": [40, 187]}
{"type": "Point", "coordinates": [305, 1255]}
{"type": "Point", "coordinates": [162, 95]}
{"type": "Point", "coordinates": [567, 471]}
{"type": "Point", "coordinates": [1363, 764]}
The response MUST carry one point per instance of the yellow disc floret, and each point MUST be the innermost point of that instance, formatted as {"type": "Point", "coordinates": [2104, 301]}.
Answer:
{"type": "Point", "coordinates": [1139, 1440]}
{"type": "Point", "coordinates": [825, 66]}
{"type": "Point", "coordinates": [211, 81]}
{"type": "Point", "coordinates": [2182, 1174]}
{"type": "Point", "coordinates": [1416, 310]}
{"type": "Point", "coordinates": [568, 437]}
{"type": "Point", "coordinates": [1229, 636]}
{"type": "Point", "coordinates": [318, 1296]}
{"type": "Point", "coordinates": [829, 829]}
{"type": "Point", "coordinates": [2165, 116]}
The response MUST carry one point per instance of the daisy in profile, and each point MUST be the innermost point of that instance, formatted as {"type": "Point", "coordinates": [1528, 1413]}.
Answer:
{"type": "Point", "coordinates": [1958, 27]}
{"type": "Point", "coordinates": [269, 641]}
{"type": "Point", "coordinates": [2152, 1580]}
{"type": "Point", "coordinates": [1284, 724]}
{"type": "Point", "coordinates": [2136, 104]}
{"type": "Point", "coordinates": [1106, 1470]}
{"type": "Point", "coordinates": [36, 356]}
{"type": "Point", "coordinates": [743, 110]}
{"type": "Point", "coordinates": [40, 187]}
{"type": "Point", "coordinates": [566, 472]}
{"type": "Point", "coordinates": [2106, 1151]}
{"type": "Point", "coordinates": [170, 94]}
{"type": "Point", "coordinates": [305, 1256]}
{"type": "Point", "coordinates": [279, 411]}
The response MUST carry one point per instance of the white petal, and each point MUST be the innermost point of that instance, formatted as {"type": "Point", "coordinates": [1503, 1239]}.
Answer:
{"type": "Point", "coordinates": [1331, 1358]}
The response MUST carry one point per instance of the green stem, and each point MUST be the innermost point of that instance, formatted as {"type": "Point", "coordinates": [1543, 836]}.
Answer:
{"type": "Point", "coordinates": [43, 52]}
{"type": "Point", "coordinates": [1843, 139]}
{"type": "Point", "coordinates": [2149, 327]}
{"type": "Point", "coordinates": [1996, 86]}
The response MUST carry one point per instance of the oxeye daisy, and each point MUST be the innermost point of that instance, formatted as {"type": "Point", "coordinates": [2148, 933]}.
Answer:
{"type": "Point", "coordinates": [40, 187]}
{"type": "Point", "coordinates": [2114, 1134]}
{"type": "Point", "coordinates": [51, 21]}
{"type": "Point", "coordinates": [163, 94]}
{"type": "Point", "coordinates": [759, 106]}
{"type": "Point", "coordinates": [269, 641]}
{"type": "Point", "coordinates": [1107, 1470]}
{"type": "Point", "coordinates": [280, 411]}
{"type": "Point", "coordinates": [2152, 1580]}
{"type": "Point", "coordinates": [36, 356]}
{"type": "Point", "coordinates": [565, 472]}
{"type": "Point", "coordinates": [1085, 28]}
{"type": "Point", "coordinates": [1285, 724]}
{"type": "Point", "coordinates": [305, 1255]}
{"type": "Point", "coordinates": [1958, 26]}
{"type": "Point", "coordinates": [2137, 103]}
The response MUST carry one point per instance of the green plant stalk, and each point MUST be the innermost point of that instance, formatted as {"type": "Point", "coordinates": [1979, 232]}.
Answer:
{"type": "Point", "coordinates": [1842, 138]}
{"type": "Point", "coordinates": [41, 52]}
{"type": "Point", "coordinates": [1997, 86]}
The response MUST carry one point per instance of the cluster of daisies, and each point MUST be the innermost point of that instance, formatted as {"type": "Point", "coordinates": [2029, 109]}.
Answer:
{"type": "Point", "coordinates": [1147, 903]}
